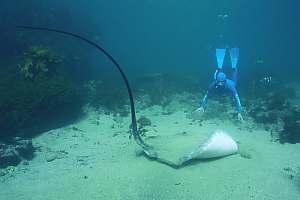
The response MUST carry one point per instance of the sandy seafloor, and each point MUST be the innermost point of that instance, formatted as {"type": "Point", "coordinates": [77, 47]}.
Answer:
{"type": "Point", "coordinates": [87, 160]}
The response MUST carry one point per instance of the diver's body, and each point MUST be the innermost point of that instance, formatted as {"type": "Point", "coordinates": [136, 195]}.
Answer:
{"type": "Point", "coordinates": [223, 84]}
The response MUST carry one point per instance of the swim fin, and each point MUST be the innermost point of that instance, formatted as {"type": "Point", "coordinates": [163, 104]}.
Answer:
{"type": "Point", "coordinates": [234, 56]}
{"type": "Point", "coordinates": [220, 54]}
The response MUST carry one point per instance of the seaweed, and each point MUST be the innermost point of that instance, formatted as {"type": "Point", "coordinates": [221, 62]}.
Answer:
{"type": "Point", "coordinates": [38, 60]}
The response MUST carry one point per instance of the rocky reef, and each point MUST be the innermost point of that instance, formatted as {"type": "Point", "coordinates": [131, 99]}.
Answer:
{"type": "Point", "coordinates": [274, 110]}
{"type": "Point", "coordinates": [36, 96]}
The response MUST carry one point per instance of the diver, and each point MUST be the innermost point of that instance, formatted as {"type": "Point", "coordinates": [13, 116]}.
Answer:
{"type": "Point", "coordinates": [222, 83]}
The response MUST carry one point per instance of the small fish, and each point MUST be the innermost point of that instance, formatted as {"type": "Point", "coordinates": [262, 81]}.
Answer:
{"type": "Point", "coordinates": [266, 80]}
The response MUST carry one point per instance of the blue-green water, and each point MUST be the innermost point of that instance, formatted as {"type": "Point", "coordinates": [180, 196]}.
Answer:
{"type": "Point", "coordinates": [172, 35]}
{"type": "Point", "coordinates": [167, 50]}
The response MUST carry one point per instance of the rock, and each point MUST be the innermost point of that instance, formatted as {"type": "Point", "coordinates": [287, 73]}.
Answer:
{"type": "Point", "coordinates": [245, 154]}
{"type": "Point", "coordinates": [290, 172]}
{"type": "Point", "coordinates": [25, 163]}
{"type": "Point", "coordinates": [9, 156]}
{"type": "Point", "coordinates": [25, 149]}
{"type": "Point", "coordinates": [2, 173]}
{"type": "Point", "coordinates": [12, 153]}
{"type": "Point", "coordinates": [74, 128]}
{"type": "Point", "coordinates": [144, 121]}
{"type": "Point", "coordinates": [51, 157]}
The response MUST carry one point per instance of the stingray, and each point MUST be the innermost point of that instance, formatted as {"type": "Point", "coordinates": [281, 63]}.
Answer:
{"type": "Point", "coordinates": [218, 145]}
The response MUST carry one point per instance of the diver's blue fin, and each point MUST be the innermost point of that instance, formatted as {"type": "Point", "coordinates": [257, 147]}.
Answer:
{"type": "Point", "coordinates": [220, 54]}
{"type": "Point", "coordinates": [234, 56]}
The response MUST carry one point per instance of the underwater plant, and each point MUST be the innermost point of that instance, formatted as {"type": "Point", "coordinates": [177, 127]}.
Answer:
{"type": "Point", "coordinates": [38, 60]}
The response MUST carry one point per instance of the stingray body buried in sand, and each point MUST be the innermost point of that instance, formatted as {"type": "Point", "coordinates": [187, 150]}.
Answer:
{"type": "Point", "coordinates": [218, 145]}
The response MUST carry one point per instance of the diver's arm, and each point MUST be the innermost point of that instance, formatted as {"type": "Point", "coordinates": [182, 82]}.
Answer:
{"type": "Point", "coordinates": [235, 95]}
{"type": "Point", "coordinates": [205, 98]}
{"type": "Point", "coordinates": [237, 102]}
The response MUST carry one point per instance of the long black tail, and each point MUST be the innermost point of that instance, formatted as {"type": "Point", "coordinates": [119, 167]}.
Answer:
{"type": "Point", "coordinates": [135, 132]}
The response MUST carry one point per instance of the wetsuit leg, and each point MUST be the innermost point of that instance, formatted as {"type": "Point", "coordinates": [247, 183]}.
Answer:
{"type": "Point", "coordinates": [234, 75]}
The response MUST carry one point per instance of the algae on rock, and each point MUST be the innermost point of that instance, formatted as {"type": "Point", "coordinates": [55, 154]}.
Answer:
{"type": "Point", "coordinates": [38, 60]}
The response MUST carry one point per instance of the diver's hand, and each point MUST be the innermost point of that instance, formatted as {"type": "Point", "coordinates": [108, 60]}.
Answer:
{"type": "Point", "coordinates": [200, 110]}
{"type": "Point", "coordinates": [198, 113]}
{"type": "Point", "coordinates": [240, 117]}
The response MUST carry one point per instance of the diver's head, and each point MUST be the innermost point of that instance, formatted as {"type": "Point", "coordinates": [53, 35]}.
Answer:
{"type": "Point", "coordinates": [221, 79]}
